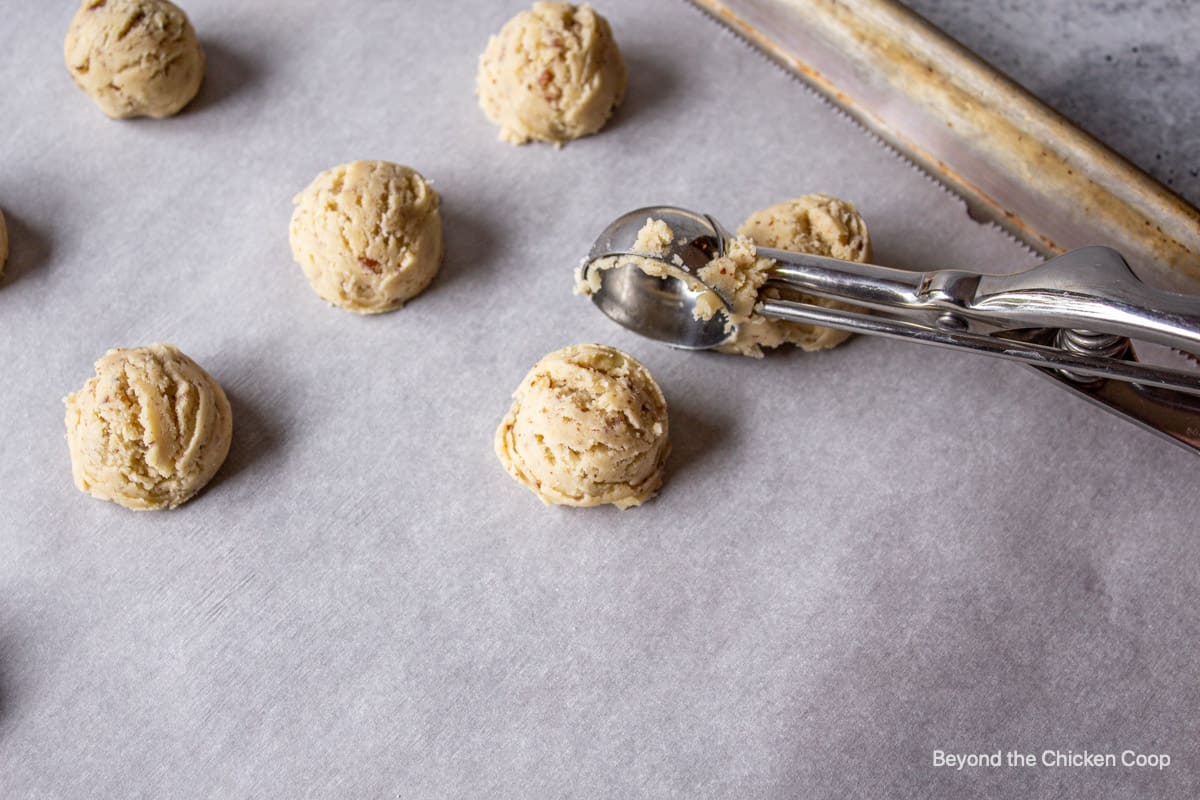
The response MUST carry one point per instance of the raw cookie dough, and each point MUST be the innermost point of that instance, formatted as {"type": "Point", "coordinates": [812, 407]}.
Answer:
{"type": "Point", "coordinates": [817, 224]}
{"type": "Point", "coordinates": [149, 430]}
{"type": "Point", "coordinates": [368, 235]}
{"type": "Point", "coordinates": [738, 276]}
{"type": "Point", "coordinates": [134, 58]}
{"type": "Point", "coordinates": [3, 243]}
{"type": "Point", "coordinates": [653, 239]}
{"type": "Point", "coordinates": [588, 426]}
{"type": "Point", "coordinates": [552, 74]}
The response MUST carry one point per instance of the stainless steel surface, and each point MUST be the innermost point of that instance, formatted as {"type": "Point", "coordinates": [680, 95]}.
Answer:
{"type": "Point", "coordinates": [660, 307]}
{"type": "Point", "coordinates": [1166, 414]}
{"type": "Point", "coordinates": [1089, 343]}
{"type": "Point", "coordinates": [698, 237]}
{"type": "Point", "coordinates": [1071, 316]}
{"type": "Point", "coordinates": [1103, 66]}
{"type": "Point", "coordinates": [1015, 160]}
{"type": "Point", "coordinates": [1032, 346]}
{"type": "Point", "coordinates": [1090, 288]}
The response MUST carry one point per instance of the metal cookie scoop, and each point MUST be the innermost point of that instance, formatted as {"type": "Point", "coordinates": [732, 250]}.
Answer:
{"type": "Point", "coordinates": [1072, 317]}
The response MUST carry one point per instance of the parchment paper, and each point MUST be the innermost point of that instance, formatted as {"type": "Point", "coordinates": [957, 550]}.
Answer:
{"type": "Point", "coordinates": [860, 556]}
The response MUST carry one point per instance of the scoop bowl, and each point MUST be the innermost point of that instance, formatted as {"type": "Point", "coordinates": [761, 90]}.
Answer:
{"type": "Point", "coordinates": [661, 307]}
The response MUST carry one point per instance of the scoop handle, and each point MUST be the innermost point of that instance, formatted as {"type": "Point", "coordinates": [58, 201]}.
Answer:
{"type": "Point", "coordinates": [1092, 288]}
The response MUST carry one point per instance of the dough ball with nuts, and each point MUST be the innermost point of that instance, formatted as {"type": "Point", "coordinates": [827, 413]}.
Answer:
{"type": "Point", "coordinates": [588, 426]}
{"type": "Point", "coordinates": [552, 74]}
{"type": "Point", "coordinates": [817, 224]}
{"type": "Point", "coordinates": [149, 430]}
{"type": "Point", "coordinates": [135, 58]}
{"type": "Point", "coordinates": [368, 235]}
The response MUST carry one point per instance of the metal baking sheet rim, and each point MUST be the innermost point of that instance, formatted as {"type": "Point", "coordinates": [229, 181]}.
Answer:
{"type": "Point", "coordinates": [1012, 158]}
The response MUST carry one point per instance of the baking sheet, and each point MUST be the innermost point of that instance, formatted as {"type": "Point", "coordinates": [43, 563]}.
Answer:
{"type": "Point", "coordinates": [860, 556]}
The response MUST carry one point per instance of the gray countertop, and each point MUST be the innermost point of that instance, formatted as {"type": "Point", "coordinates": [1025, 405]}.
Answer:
{"type": "Point", "coordinates": [1127, 72]}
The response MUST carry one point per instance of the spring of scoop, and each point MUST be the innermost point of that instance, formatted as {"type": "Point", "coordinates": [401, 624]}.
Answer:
{"type": "Point", "coordinates": [1090, 343]}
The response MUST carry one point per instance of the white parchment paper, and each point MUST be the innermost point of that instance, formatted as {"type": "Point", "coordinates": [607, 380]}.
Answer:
{"type": "Point", "coordinates": [859, 557]}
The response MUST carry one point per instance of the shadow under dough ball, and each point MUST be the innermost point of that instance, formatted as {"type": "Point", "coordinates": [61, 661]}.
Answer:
{"type": "Point", "coordinates": [149, 430]}
{"type": "Point", "coordinates": [134, 58]}
{"type": "Point", "coordinates": [3, 243]}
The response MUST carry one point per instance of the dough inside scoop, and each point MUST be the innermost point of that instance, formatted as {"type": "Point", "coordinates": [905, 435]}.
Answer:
{"type": "Point", "coordinates": [734, 283]}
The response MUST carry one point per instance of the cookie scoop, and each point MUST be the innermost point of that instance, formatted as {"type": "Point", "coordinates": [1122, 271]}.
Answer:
{"type": "Point", "coordinates": [1083, 319]}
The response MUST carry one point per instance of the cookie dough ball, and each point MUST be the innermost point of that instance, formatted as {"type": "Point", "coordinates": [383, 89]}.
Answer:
{"type": "Point", "coordinates": [134, 58]}
{"type": "Point", "coordinates": [367, 235]}
{"type": "Point", "coordinates": [818, 224]}
{"type": "Point", "coordinates": [588, 426]}
{"type": "Point", "coordinates": [552, 74]}
{"type": "Point", "coordinates": [150, 430]}
{"type": "Point", "coordinates": [3, 243]}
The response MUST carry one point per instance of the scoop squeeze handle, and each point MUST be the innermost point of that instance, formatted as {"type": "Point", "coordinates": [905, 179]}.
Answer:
{"type": "Point", "coordinates": [1090, 289]}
